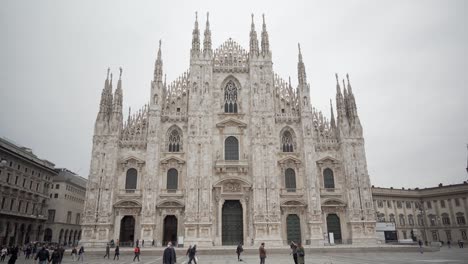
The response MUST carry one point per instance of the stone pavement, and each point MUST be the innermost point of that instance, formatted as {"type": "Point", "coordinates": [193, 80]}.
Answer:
{"type": "Point", "coordinates": [445, 255]}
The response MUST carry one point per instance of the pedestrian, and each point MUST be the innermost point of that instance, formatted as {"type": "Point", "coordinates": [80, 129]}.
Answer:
{"type": "Point", "coordinates": [188, 250]}
{"type": "Point", "coordinates": [3, 254]}
{"type": "Point", "coordinates": [262, 253]}
{"type": "Point", "coordinates": [152, 244]}
{"type": "Point", "coordinates": [239, 251]}
{"type": "Point", "coordinates": [73, 254]}
{"type": "Point", "coordinates": [107, 251]}
{"type": "Point", "coordinates": [137, 242]}
{"type": "Point", "coordinates": [61, 251]}
{"type": "Point", "coordinates": [449, 244]}
{"type": "Point", "coordinates": [55, 257]}
{"type": "Point", "coordinates": [192, 253]}
{"type": "Point", "coordinates": [420, 246]}
{"type": "Point", "coordinates": [294, 251]}
{"type": "Point", "coordinates": [461, 243]}
{"type": "Point", "coordinates": [13, 255]}
{"type": "Point", "coordinates": [117, 252]}
{"type": "Point", "coordinates": [81, 254]}
{"type": "Point", "coordinates": [300, 253]}
{"type": "Point", "coordinates": [169, 255]}
{"type": "Point", "coordinates": [137, 253]}
{"type": "Point", "coordinates": [27, 253]}
{"type": "Point", "coordinates": [42, 255]}
{"type": "Point", "coordinates": [142, 243]}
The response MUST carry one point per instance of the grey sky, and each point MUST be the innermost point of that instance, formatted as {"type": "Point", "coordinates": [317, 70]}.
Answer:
{"type": "Point", "coordinates": [407, 62]}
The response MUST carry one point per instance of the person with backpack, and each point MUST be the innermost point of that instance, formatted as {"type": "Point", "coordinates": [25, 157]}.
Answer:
{"type": "Point", "coordinates": [192, 253]}
{"type": "Point", "coordinates": [239, 251]}
{"type": "Point", "coordinates": [137, 253]}
{"type": "Point", "coordinates": [117, 252]}
{"type": "Point", "coordinates": [300, 253]}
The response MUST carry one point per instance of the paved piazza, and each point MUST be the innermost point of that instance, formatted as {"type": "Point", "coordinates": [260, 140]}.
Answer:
{"type": "Point", "coordinates": [453, 255]}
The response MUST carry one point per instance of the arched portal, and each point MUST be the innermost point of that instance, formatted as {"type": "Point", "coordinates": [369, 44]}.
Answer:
{"type": "Point", "coordinates": [48, 235]}
{"type": "Point", "coordinates": [127, 230]}
{"type": "Point", "coordinates": [293, 228]}
{"type": "Point", "coordinates": [170, 229]}
{"type": "Point", "coordinates": [60, 237]}
{"type": "Point", "coordinates": [27, 238]}
{"type": "Point", "coordinates": [334, 226]}
{"type": "Point", "coordinates": [232, 223]}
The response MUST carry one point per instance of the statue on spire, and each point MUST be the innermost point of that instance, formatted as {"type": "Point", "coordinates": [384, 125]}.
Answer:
{"type": "Point", "coordinates": [265, 41]}
{"type": "Point", "coordinates": [253, 39]}
{"type": "Point", "coordinates": [207, 40]}
{"type": "Point", "coordinates": [196, 37]}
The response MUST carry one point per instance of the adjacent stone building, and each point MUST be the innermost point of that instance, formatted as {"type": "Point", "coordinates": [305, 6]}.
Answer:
{"type": "Point", "coordinates": [65, 208]}
{"type": "Point", "coordinates": [24, 191]}
{"type": "Point", "coordinates": [228, 152]}
{"type": "Point", "coordinates": [429, 214]}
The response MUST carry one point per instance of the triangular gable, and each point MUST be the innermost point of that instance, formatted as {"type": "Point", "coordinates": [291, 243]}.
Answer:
{"type": "Point", "coordinates": [169, 204]}
{"type": "Point", "coordinates": [327, 159]}
{"type": "Point", "coordinates": [172, 158]}
{"type": "Point", "coordinates": [231, 122]}
{"type": "Point", "coordinates": [131, 159]}
{"type": "Point", "coordinates": [289, 158]}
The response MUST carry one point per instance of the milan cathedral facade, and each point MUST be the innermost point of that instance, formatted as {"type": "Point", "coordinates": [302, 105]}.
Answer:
{"type": "Point", "coordinates": [228, 152]}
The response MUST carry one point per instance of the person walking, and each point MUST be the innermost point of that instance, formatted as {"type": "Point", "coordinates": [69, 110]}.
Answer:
{"type": "Point", "coordinates": [107, 251]}
{"type": "Point", "coordinates": [420, 246]}
{"type": "Point", "coordinates": [262, 253]}
{"type": "Point", "coordinates": [117, 252]}
{"type": "Point", "coordinates": [137, 253]}
{"type": "Point", "coordinates": [42, 256]}
{"type": "Point", "coordinates": [13, 255]}
{"type": "Point", "coordinates": [61, 251]}
{"type": "Point", "coordinates": [81, 254]}
{"type": "Point", "coordinates": [27, 253]}
{"type": "Point", "coordinates": [169, 255]}
{"type": "Point", "coordinates": [294, 251]}
{"type": "Point", "coordinates": [3, 254]}
{"type": "Point", "coordinates": [239, 251]}
{"type": "Point", "coordinates": [55, 257]}
{"type": "Point", "coordinates": [192, 253]}
{"type": "Point", "coordinates": [300, 253]}
{"type": "Point", "coordinates": [73, 254]}
{"type": "Point", "coordinates": [449, 244]}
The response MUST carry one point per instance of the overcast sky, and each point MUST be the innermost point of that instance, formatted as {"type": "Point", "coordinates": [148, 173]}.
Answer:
{"type": "Point", "coordinates": [407, 61]}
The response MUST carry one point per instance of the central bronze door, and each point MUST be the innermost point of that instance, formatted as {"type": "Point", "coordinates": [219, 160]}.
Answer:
{"type": "Point", "coordinates": [232, 222]}
{"type": "Point", "coordinates": [334, 226]}
{"type": "Point", "coordinates": [293, 228]}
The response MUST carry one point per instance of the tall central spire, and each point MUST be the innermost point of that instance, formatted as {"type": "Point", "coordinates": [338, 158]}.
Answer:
{"type": "Point", "coordinates": [207, 40]}
{"type": "Point", "coordinates": [265, 41]}
{"type": "Point", "coordinates": [301, 73]}
{"type": "Point", "coordinates": [253, 39]}
{"type": "Point", "coordinates": [158, 67]}
{"type": "Point", "coordinates": [196, 37]}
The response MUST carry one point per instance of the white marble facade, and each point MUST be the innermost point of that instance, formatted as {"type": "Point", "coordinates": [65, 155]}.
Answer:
{"type": "Point", "coordinates": [228, 133]}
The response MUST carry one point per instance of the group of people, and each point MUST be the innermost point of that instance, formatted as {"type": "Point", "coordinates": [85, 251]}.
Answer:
{"type": "Point", "coordinates": [42, 256]}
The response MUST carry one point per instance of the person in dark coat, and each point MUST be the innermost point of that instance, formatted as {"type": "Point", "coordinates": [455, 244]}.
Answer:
{"type": "Point", "coordinates": [192, 253]}
{"type": "Point", "coordinates": [262, 253]}
{"type": "Point", "coordinates": [239, 251]}
{"type": "Point", "coordinates": [107, 252]}
{"type": "Point", "coordinates": [294, 251]}
{"type": "Point", "coordinates": [42, 256]}
{"type": "Point", "coordinates": [117, 252]}
{"type": "Point", "coordinates": [13, 255]}
{"type": "Point", "coordinates": [55, 257]}
{"type": "Point", "coordinates": [169, 255]}
{"type": "Point", "coordinates": [61, 251]}
{"type": "Point", "coordinates": [300, 253]}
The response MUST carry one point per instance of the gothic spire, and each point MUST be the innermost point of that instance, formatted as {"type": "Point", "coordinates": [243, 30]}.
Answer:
{"type": "Point", "coordinates": [104, 96]}
{"type": "Point", "coordinates": [332, 116]}
{"type": "Point", "coordinates": [352, 101]}
{"type": "Point", "coordinates": [207, 40]}
{"type": "Point", "coordinates": [253, 39]}
{"type": "Point", "coordinates": [117, 108]}
{"type": "Point", "coordinates": [265, 41]}
{"type": "Point", "coordinates": [340, 106]}
{"type": "Point", "coordinates": [158, 67]}
{"type": "Point", "coordinates": [301, 73]}
{"type": "Point", "coordinates": [196, 37]}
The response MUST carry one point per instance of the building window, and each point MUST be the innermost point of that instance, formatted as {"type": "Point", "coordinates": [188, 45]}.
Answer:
{"type": "Point", "coordinates": [11, 204]}
{"type": "Point", "coordinates": [16, 180]}
{"type": "Point", "coordinates": [435, 236]}
{"type": "Point", "coordinates": [429, 205]}
{"type": "Point", "coordinates": [408, 205]}
{"type": "Point", "coordinates": [448, 234]}
{"type": "Point", "coordinates": [77, 221]}
{"type": "Point", "coordinates": [399, 205]}
{"type": "Point", "coordinates": [457, 202]}
{"type": "Point", "coordinates": [3, 202]}
{"type": "Point", "coordinates": [19, 206]}
{"type": "Point", "coordinates": [328, 179]}
{"type": "Point", "coordinates": [389, 204]}
{"type": "Point", "coordinates": [432, 220]}
{"type": "Point", "coordinates": [290, 180]}
{"type": "Point", "coordinates": [69, 216]}
{"type": "Point", "coordinates": [27, 207]}
{"type": "Point", "coordinates": [392, 218]}
{"type": "Point", "coordinates": [402, 220]}
{"type": "Point", "coordinates": [172, 179]}
{"type": "Point", "coordinates": [131, 179]}
{"type": "Point", "coordinates": [51, 216]}
{"type": "Point", "coordinates": [175, 140]}
{"type": "Point", "coordinates": [380, 204]}
{"type": "Point", "coordinates": [445, 219]}
{"type": "Point", "coordinates": [405, 236]}
{"type": "Point", "coordinates": [420, 220]}
{"type": "Point", "coordinates": [8, 178]}
{"type": "Point", "coordinates": [463, 234]}
{"type": "Point", "coordinates": [56, 195]}
{"type": "Point", "coordinates": [460, 219]}
{"type": "Point", "coordinates": [442, 203]}
{"type": "Point", "coordinates": [411, 220]}
{"type": "Point", "coordinates": [231, 148]}
{"type": "Point", "coordinates": [230, 98]}
{"type": "Point", "coordinates": [287, 142]}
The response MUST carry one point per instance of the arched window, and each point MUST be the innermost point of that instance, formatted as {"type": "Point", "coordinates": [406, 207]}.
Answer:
{"type": "Point", "coordinates": [461, 219]}
{"type": "Point", "coordinates": [445, 219]}
{"type": "Point", "coordinates": [290, 180]}
{"type": "Point", "coordinates": [172, 180]}
{"type": "Point", "coordinates": [174, 140]}
{"type": "Point", "coordinates": [328, 179]}
{"type": "Point", "coordinates": [230, 98]}
{"type": "Point", "coordinates": [392, 218]}
{"type": "Point", "coordinates": [287, 142]}
{"type": "Point", "coordinates": [420, 220]}
{"type": "Point", "coordinates": [411, 220]}
{"type": "Point", "coordinates": [231, 148]}
{"type": "Point", "coordinates": [402, 220]}
{"type": "Point", "coordinates": [131, 179]}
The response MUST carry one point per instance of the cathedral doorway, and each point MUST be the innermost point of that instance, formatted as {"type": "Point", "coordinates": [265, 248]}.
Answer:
{"type": "Point", "coordinates": [170, 230]}
{"type": "Point", "coordinates": [127, 230]}
{"type": "Point", "coordinates": [232, 223]}
{"type": "Point", "coordinates": [334, 226]}
{"type": "Point", "coordinates": [293, 228]}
